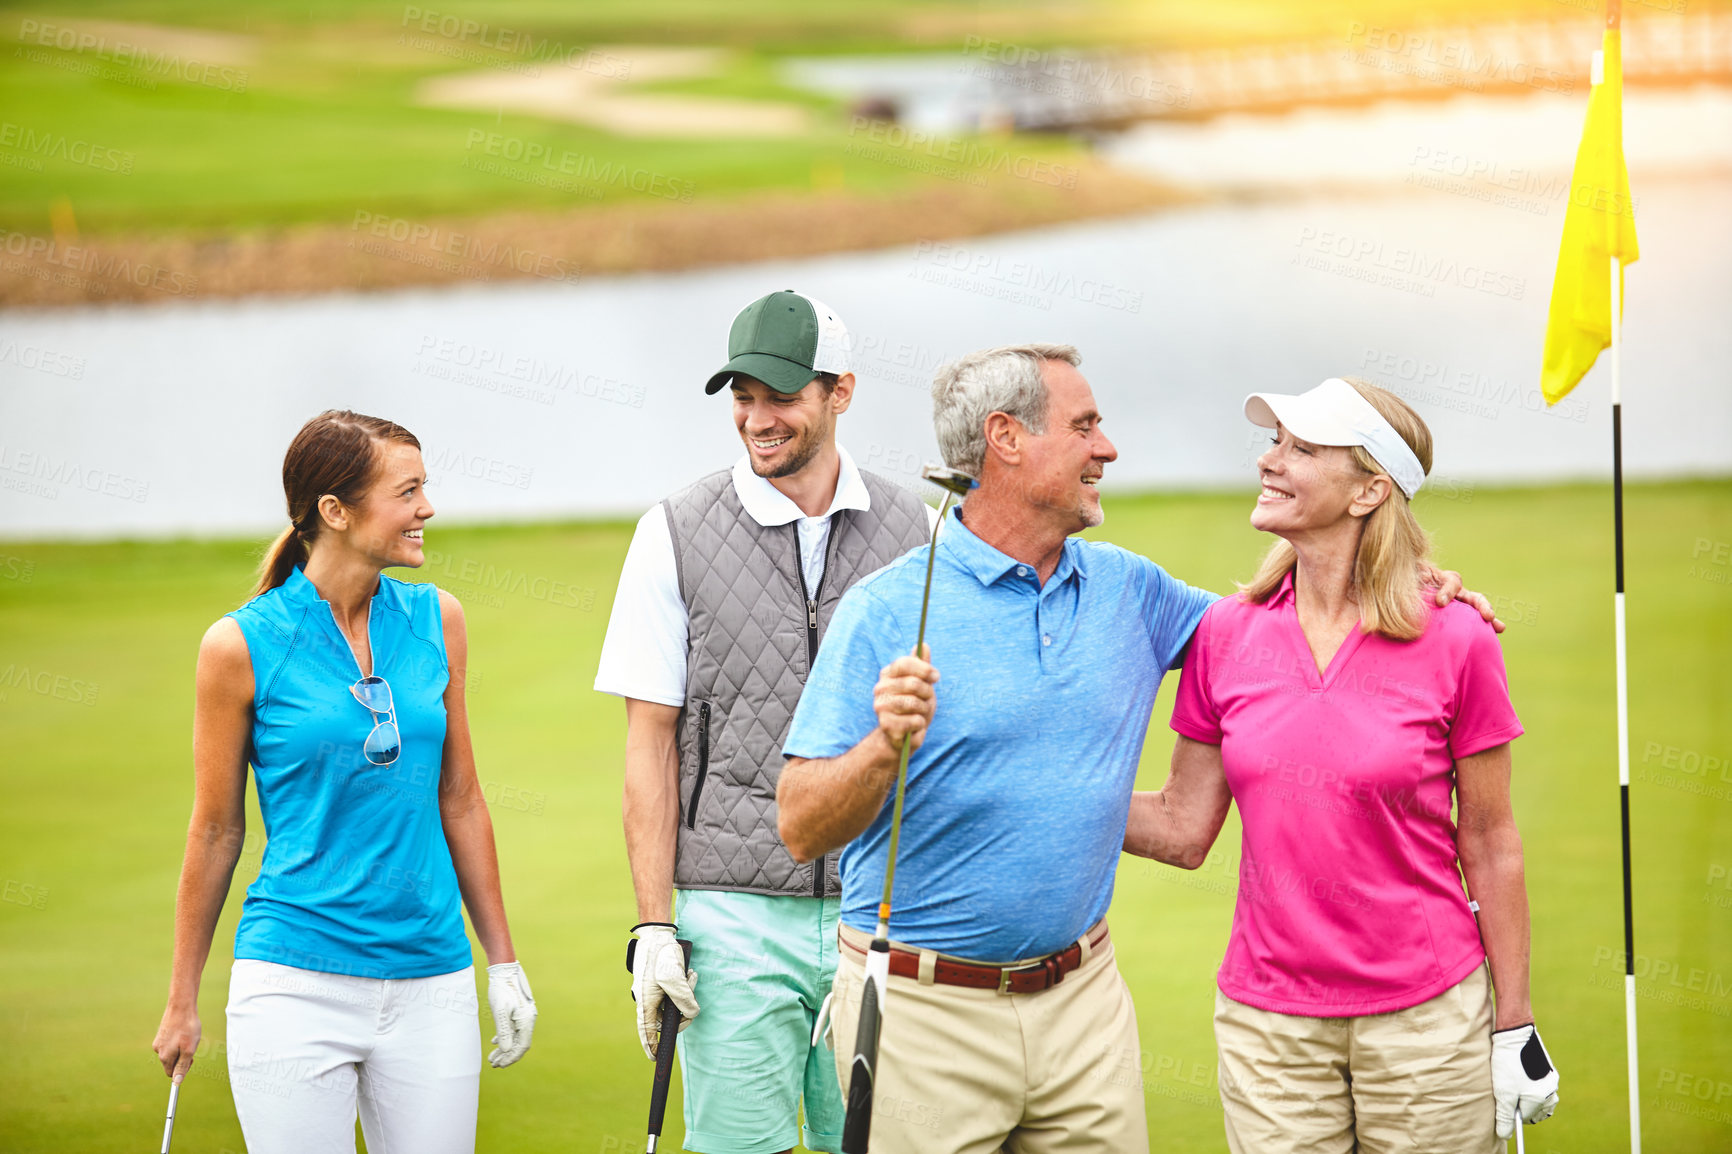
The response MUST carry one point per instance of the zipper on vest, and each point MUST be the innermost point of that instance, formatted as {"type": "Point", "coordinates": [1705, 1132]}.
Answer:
{"type": "Point", "coordinates": [820, 868]}
{"type": "Point", "coordinates": [703, 764]}
{"type": "Point", "coordinates": [811, 659]}
{"type": "Point", "coordinates": [811, 601]}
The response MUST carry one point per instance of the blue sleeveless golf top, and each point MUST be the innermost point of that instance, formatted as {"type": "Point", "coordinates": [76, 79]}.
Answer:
{"type": "Point", "coordinates": [356, 878]}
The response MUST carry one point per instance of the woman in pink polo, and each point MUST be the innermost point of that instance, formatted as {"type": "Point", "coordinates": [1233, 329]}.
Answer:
{"type": "Point", "coordinates": [1344, 711]}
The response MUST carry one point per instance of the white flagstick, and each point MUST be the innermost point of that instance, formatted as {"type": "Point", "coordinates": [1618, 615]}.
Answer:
{"type": "Point", "coordinates": [168, 1126]}
{"type": "Point", "coordinates": [1623, 702]}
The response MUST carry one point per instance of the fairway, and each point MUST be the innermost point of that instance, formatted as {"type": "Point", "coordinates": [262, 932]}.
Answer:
{"type": "Point", "coordinates": [97, 645]}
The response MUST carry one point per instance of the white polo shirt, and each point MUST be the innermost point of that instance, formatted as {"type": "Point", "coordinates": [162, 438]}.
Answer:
{"type": "Point", "coordinates": [644, 654]}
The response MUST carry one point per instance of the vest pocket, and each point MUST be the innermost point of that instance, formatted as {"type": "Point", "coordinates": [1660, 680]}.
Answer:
{"type": "Point", "coordinates": [703, 764]}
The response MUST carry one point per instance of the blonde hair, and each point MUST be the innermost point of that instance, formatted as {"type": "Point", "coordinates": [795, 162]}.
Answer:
{"type": "Point", "coordinates": [1386, 574]}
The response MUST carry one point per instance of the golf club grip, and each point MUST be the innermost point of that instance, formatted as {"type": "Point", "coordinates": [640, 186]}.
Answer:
{"type": "Point", "coordinates": [862, 1073]}
{"type": "Point", "coordinates": [665, 1054]}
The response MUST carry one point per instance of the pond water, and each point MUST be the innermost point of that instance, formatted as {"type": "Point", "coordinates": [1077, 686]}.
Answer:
{"type": "Point", "coordinates": [539, 399]}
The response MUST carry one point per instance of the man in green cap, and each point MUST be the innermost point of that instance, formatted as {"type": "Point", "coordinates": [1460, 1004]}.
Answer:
{"type": "Point", "coordinates": [724, 597]}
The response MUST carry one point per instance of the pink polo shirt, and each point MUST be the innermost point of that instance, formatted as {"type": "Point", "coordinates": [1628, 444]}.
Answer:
{"type": "Point", "coordinates": [1350, 898]}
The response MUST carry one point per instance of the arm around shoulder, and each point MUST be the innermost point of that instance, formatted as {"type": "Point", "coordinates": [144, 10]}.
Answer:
{"type": "Point", "coordinates": [1178, 823]}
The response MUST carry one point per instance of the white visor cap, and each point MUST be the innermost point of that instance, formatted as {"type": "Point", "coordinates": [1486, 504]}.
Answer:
{"type": "Point", "coordinates": [1334, 413]}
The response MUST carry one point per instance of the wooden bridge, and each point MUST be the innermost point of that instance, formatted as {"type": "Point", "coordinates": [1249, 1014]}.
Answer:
{"type": "Point", "coordinates": [1030, 89]}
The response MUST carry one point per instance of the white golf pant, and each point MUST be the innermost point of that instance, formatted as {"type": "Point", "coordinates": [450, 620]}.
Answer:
{"type": "Point", "coordinates": [306, 1048]}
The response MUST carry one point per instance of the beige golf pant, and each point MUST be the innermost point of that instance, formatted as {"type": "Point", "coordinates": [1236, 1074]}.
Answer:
{"type": "Point", "coordinates": [1417, 1081]}
{"type": "Point", "coordinates": [964, 1071]}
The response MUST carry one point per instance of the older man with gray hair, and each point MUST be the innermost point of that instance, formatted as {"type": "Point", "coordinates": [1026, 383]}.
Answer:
{"type": "Point", "coordinates": [1007, 1023]}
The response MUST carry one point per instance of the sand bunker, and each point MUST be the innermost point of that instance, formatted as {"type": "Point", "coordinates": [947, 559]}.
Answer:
{"type": "Point", "coordinates": [595, 89]}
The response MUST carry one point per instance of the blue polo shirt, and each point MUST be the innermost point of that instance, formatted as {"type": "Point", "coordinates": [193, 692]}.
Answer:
{"type": "Point", "coordinates": [1016, 805]}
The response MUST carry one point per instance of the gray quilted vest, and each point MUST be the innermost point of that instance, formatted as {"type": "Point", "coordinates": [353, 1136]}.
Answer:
{"type": "Point", "coordinates": [754, 630]}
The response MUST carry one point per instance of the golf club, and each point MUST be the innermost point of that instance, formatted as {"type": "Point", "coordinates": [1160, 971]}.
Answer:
{"type": "Point", "coordinates": [664, 1061]}
{"type": "Point", "coordinates": [857, 1127]}
{"type": "Point", "coordinates": [168, 1126]}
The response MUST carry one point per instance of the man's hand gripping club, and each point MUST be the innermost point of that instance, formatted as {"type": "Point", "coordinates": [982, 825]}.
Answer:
{"type": "Point", "coordinates": [904, 700]}
{"type": "Point", "coordinates": [658, 971]}
{"type": "Point", "coordinates": [824, 804]}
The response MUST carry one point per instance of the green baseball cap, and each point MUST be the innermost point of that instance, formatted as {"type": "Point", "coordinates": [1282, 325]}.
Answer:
{"type": "Point", "coordinates": [784, 340]}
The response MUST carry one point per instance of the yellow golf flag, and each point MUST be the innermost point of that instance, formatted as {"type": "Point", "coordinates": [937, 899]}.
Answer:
{"type": "Point", "coordinates": [1598, 225]}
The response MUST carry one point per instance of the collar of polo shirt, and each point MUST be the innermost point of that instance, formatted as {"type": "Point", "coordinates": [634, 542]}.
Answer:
{"type": "Point", "coordinates": [769, 506]}
{"type": "Point", "coordinates": [1283, 592]}
{"type": "Point", "coordinates": [989, 564]}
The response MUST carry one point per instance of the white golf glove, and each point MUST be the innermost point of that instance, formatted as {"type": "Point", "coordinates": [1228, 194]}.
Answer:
{"type": "Point", "coordinates": [1523, 1080]}
{"type": "Point", "coordinates": [513, 1009]}
{"type": "Point", "coordinates": [658, 970]}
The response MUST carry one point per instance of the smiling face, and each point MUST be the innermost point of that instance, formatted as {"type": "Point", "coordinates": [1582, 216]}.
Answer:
{"type": "Point", "coordinates": [1061, 467]}
{"type": "Point", "coordinates": [386, 527]}
{"type": "Point", "coordinates": [1309, 487]}
{"type": "Point", "coordinates": [783, 432]}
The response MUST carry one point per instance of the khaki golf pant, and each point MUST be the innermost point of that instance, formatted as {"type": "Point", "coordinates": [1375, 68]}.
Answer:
{"type": "Point", "coordinates": [1417, 1080]}
{"type": "Point", "coordinates": [964, 1071]}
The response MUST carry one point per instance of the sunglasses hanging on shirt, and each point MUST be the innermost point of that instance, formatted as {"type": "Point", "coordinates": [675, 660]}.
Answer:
{"type": "Point", "coordinates": [384, 743]}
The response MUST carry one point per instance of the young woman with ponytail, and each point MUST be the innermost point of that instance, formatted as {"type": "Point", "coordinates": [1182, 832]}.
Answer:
{"type": "Point", "coordinates": [1345, 712]}
{"type": "Point", "coordinates": [352, 989]}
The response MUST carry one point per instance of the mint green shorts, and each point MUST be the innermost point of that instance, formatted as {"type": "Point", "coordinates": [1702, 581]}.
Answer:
{"type": "Point", "coordinates": [764, 965]}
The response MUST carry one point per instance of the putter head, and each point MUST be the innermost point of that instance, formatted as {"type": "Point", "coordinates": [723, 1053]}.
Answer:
{"type": "Point", "coordinates": [945, 477]}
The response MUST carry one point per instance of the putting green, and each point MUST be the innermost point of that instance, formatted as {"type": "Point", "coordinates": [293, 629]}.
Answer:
{"type": "Point", "coordinates": [97, 644]}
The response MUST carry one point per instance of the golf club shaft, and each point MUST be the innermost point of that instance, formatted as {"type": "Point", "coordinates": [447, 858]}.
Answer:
{"type": "Point", "coordinates": [883, 933]}
{"type": "Point", "coordinates": [670, 1029]}
{"type": "Point", "coordinates": [168, 1124]}
{"type": "Point", "coordinates": [863, 1071]}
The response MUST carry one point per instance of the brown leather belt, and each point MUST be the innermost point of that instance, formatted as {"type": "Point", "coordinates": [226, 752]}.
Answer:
{"type": "Point", "coordinates": [1026, 979]}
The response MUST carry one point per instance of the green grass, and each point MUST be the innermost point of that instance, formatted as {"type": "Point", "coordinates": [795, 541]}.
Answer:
{"type": "Point", "coordinates": [325, 125]}
{"type": "Point", "coordinates": [97, 796]}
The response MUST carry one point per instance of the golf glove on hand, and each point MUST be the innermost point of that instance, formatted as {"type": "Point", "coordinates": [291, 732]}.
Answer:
{"type": "Point", "coordinates": [658, 970]}
{"type": "Point", "coordinates": [1523, 1080]}
{"type": "Point", "coordinates": [513, 1009]}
